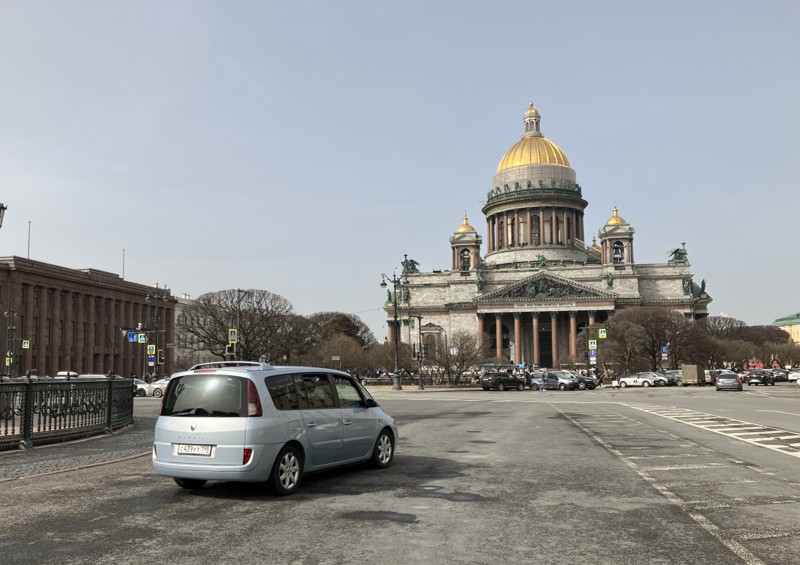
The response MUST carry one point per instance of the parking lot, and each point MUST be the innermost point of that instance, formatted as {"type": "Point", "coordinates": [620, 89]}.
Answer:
{"type": "Point", "coordinates": [668, 475]}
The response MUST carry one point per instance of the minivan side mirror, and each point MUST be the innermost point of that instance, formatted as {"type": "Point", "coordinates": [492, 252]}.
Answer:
{"type": "Point", "coordinates": [371, 403]}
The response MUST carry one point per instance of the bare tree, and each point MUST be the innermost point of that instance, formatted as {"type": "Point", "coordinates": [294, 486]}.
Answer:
{"type": "Point", "coordinates": [268, 328]}
{"type": "Point", "coordinates": [452, 358]}
{"type": "Point", "coordinates": [626, 346]}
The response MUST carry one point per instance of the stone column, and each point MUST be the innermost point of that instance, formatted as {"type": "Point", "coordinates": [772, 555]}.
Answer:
{"type": "Point", "coordinates": [42, 333]}
{"type": "Point", "coordinates": [573, 334]}
{"type": "Point", "coordinates": [536, 356]}
{"type": "Point", "coordinates": [517, 338]}
{"type": "Point", "coordinates": [480, 332]}
{"type": "Point", "coordinates": [554, 334]}
{"type": "Point", "coordinates": [498, 335]}
{"type": "Point", "coordinates": [591, 317]}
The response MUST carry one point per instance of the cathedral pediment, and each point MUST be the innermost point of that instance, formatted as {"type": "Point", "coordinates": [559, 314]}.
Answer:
{"type": "Point", "coordinates": [544, 287]}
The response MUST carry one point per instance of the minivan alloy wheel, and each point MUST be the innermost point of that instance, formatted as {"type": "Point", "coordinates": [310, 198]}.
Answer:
{"type": "Point", "coordinates": [286, 472]}
{"type": "Point", "coordinates": [383, 453]}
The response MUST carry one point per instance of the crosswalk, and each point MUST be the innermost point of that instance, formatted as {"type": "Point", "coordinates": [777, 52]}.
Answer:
{"type": "Point", "coordinates": [765, 436]}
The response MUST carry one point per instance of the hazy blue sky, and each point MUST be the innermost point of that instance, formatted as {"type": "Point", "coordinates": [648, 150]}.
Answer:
{"type": "Point", "coordinates": [303, 147]}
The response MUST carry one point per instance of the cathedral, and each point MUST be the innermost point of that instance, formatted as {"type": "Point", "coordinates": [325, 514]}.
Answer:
{"type": "Point", "coordinates": [539, 285]}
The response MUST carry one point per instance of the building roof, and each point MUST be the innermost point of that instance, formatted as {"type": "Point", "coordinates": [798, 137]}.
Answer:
{"type": "Point", "coordinates": [533, 148]}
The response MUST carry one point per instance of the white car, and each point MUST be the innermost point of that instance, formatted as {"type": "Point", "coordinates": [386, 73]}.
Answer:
{"type": "Point", "coordinates": [157, 387]}
{"type": "Point", "coordinates": [794, 376]}
{"type": "Point", "coordinates": [636, 379]}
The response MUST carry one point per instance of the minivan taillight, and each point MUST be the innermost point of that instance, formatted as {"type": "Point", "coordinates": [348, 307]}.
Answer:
{"type": "Point", "coordinates": [246, 455]}
{"type": "Point", "coordinates": [253, 403]}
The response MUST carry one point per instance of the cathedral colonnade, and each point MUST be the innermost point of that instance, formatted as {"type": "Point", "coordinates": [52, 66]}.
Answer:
{"type": "Point", "coordinates": [546, 338]}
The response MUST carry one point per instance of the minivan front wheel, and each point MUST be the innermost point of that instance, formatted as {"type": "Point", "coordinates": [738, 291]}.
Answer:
{"type": "Point", "coordinates": [383, 453]}
{"type": "Point", "coordinates": [286, 472]}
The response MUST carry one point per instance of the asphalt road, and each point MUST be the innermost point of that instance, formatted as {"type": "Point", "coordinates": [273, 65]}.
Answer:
{"type": "Point", "coordinates": [677, 475]}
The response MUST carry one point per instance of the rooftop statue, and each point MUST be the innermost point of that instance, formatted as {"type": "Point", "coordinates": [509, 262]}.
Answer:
{"type": "Point", "coordinates": [409, 266]}
{"type": "Point", "coordinates": [679, 256]}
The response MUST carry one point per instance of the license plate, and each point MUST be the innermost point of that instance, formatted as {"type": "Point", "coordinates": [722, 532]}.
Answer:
{"type": "Point", "coordinates": [194, 450]}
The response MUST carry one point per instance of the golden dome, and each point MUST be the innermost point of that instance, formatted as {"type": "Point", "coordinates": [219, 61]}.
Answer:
{"type": "Point", "coordinates": [616, 219]}
{"type": "Point", "coordinates": [533, 148]}
{"type": "Point", "coordinates": [465, 227]}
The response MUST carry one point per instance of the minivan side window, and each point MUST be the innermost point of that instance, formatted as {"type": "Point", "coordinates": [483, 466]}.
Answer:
{"type": "Point", "coordinates": [283, 391]}
{"type": "Point", "coordinates": [317, 390]}
{"type": "Point", "coordinates": [348, 393]}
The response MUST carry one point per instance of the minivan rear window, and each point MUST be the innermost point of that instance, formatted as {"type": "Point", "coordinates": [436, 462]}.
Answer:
{"type": "Point", "coordinates": [206, 395]}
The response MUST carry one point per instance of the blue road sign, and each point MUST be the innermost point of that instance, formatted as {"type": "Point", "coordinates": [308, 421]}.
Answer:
{"type": "Point", "coordinates": [132, 337]}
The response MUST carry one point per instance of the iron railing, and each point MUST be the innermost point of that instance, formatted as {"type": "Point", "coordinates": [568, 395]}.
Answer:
{"type": "Point", "coordinates": [35, 412]}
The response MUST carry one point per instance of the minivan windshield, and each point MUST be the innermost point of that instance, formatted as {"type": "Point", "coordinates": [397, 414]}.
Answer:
{"type": "Point", "coordinates": [206, 395]}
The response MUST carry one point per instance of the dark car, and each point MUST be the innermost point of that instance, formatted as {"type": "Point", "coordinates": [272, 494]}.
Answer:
{"type": "Point", "coordinates": [760, 377]}
{"type": "Point", "coordinates": [673, 377]}
{"type": "Point", "coordinates": [584, 382]}
{"type": "Point", "coordinates": [501, 381]}
{"type": "Point", "coordinates": [780, 375]}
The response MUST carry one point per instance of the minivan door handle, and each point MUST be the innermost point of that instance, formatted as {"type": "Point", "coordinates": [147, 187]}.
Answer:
{"type": "Point", "coordinates": [311, 425]}
{"type": "Point", "coordinates": [347, 422]}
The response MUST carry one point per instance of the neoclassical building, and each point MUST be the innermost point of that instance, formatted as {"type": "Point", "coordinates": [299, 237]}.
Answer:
{"type": "Point", "coordinates": [61, 319]}
{"type": "Point", "coordinates": [539, 282]}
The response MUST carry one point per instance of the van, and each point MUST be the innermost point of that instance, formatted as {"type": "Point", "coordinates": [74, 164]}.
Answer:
{"type": "Point", "coordinates": [252, 422]}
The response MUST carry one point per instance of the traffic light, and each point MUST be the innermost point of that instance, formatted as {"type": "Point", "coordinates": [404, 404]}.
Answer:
{"type": "Point", "coordinates": [160, 356]}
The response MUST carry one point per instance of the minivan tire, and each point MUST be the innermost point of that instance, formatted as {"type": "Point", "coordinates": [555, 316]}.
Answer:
{"type": "Point", "coordinates": [190, 484]}
{"type": "Point", "coordinates": [383, 452]}
{"type": "Point", "coordinates": [287, 471]}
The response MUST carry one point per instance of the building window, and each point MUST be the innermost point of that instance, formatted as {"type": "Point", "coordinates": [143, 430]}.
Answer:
{"type": "Point", "coordinates": [35, 296]}
{"type": "Point", "coordinates": [47, 332]}
{"type": "Point", "coordinates": [49, 298]}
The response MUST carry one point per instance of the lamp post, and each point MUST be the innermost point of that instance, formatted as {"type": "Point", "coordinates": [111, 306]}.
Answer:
{"type": "Point", "coordinates": [396, 282]}
{"type": "Point", "coordinates": [419, 348]}
{"type": "Point", "coordinates": [3, 209]}
{"type": "Point", "coordinates": [157, 296]}
{"type": "Point", "coordinates": [10, 334]}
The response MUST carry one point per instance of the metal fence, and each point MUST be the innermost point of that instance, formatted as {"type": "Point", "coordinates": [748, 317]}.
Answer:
{"type": "Point", "coordinates": [45, 411]}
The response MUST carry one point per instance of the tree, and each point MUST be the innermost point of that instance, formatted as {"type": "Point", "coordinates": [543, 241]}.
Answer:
{"type": "Point", "coordinates": [452, 358]}
{"type": "Point", "coordinates": [625, 346]}
{"type": "Point", "coordinates": [268, 328]}
{"type": "Point", "coordinates": [333, 323]}
{"type": "Point", "coordinates": [662, 327]}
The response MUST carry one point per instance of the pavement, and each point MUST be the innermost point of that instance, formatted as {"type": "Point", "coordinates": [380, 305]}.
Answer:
{"type": "Point", "coordinates": [129, 442]}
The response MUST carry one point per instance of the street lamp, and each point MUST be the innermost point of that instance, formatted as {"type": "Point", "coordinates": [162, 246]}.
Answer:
{"type": "Point", "coordinates": [157, 296]}
{"type": "Point", "coordinates": [419, 347]}
{"type": "Point", "coordinates": [396, 282]}
{"type": "Point", "coordinates": [3, 209]}
{"type": "Point", "coordinates": [10, 335]}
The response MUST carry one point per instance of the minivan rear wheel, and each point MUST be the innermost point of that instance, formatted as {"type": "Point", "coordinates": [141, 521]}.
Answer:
{"type": "Point", "coordinates": [286, 472]}
{"type": "Point", "coordinates": [383, 453]}
{"type": "Point", "coordinates": [189, 483]}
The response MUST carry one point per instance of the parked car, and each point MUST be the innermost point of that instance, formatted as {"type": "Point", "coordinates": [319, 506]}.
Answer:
{"type": "Point", "coordinates": [780, 375]}
{"type": "Point", "coordinates": [501, 381]}
{"type": "Point", "coordinates": [584, 382]}
{"type": "Point", "coordinates": [760, 377]}
{"type": "Point", "coordinates": [556, 380]}
{"type": "Point", "coordinates": [728, 381]}
{"type": "Point", "coordinates": [793, 376]}
{"type": "Point", "coordinates": [157, 387]}
{"type": "Point", "coordinates": [140, 387]}
{"type": "Point", "coordinates": [636, 379]}
{"type": "Point", "coordinates": [252, 422]}
{"type": "Point", "coordinates": [658, 378]}
{"type": "Point", "coordinates": [674, 377]}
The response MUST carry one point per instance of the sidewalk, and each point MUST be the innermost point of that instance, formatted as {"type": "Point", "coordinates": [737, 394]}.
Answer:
{"type": "Point", "coordinates": [128, 442]}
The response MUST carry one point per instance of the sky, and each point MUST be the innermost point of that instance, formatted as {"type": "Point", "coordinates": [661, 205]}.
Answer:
{"type": "Point", "coordinates": [305, 147]}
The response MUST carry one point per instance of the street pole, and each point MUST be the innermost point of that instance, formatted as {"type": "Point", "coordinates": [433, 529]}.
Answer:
{"type": "Point", "coordinates": [396, 282]}
{"type": "Point", "coordinates": [157, 296]}
{"type": "Point", "coordinates": [419, 348]}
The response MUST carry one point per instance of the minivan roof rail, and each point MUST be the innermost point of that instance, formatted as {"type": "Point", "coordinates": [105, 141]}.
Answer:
{"type": "Point", "coordinates": [225, 364]}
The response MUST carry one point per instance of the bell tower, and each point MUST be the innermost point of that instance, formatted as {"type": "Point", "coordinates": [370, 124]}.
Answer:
{"type": "Point", "coordinates": [465, 244]}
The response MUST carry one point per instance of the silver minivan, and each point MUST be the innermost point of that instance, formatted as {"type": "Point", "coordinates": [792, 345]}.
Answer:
{"type": "Point", "coordinates": [252, 422]}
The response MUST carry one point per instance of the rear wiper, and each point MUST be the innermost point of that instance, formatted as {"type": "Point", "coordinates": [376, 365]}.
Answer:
{"type": "Point", "coordinates": [191, 412]}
